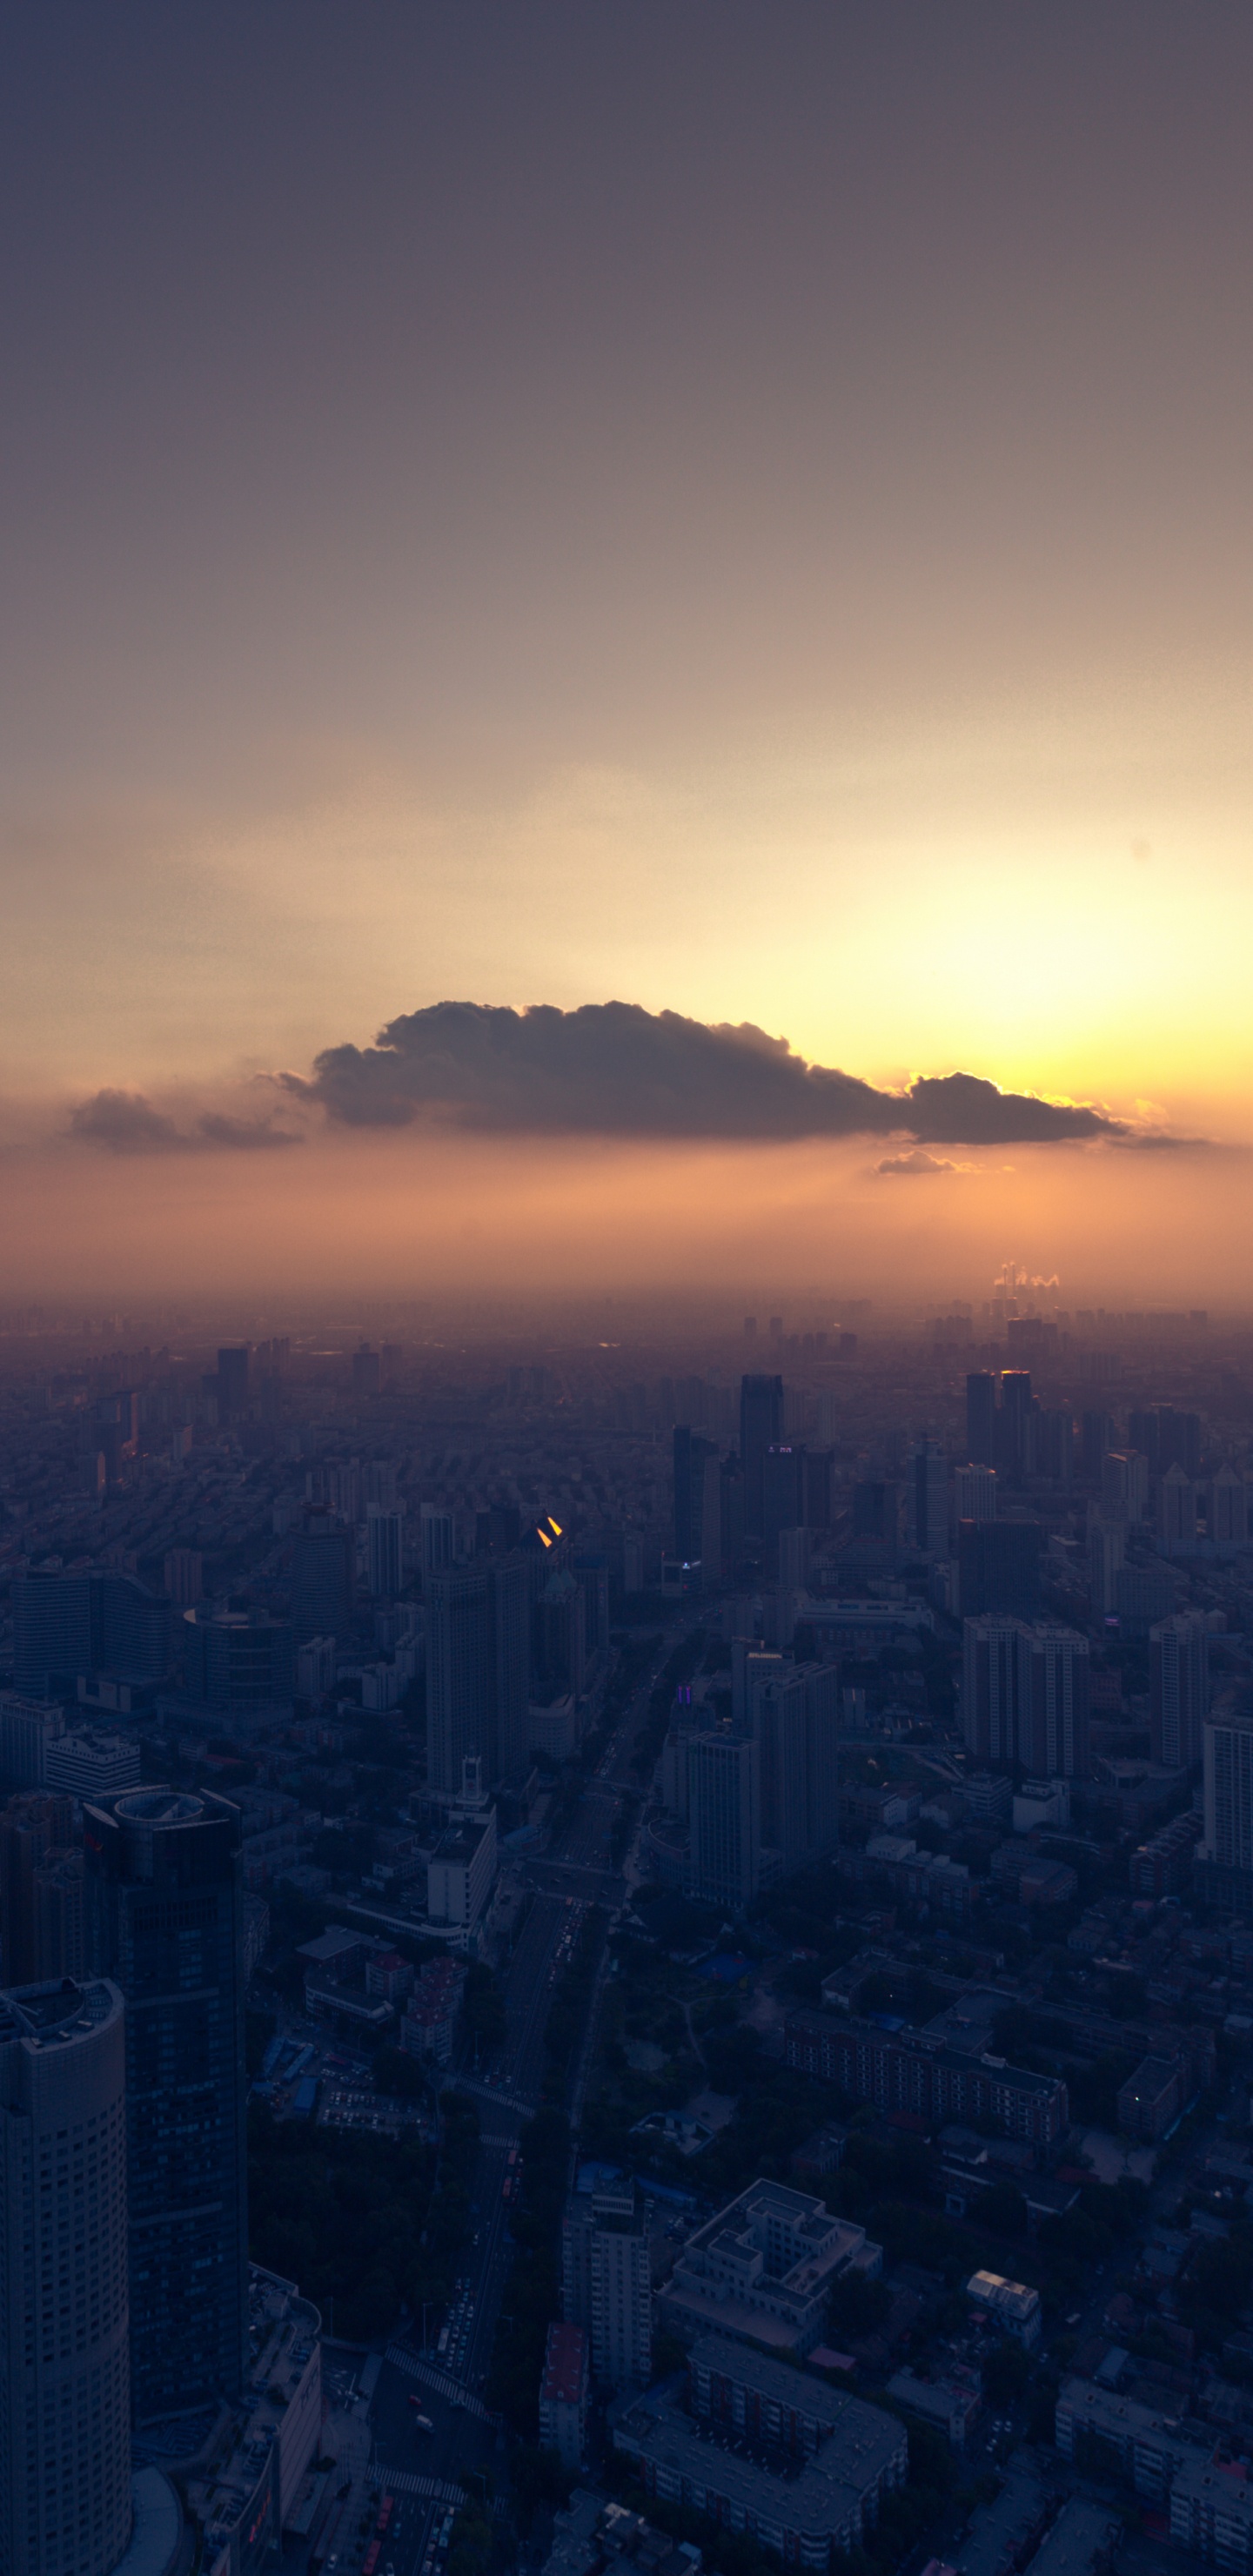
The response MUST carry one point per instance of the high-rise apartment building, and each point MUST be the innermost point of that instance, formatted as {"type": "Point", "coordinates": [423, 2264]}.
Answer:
{"type": "Point", "coordinates": [385, 1543]}
{"type": "Point", "coordinates": [793, 1711]}
{"type": "Point", "coordinates": [928, 1474]}
{"type": "Point", "coordinates": [1227, 1510]}
{"type": "Point", "coordinates": [184, 1575]}
{"type": "Point", "coordinates": [1228, 1840]}
{"type": "Point", "coordinates": [1026, 1697]}
{"type": "Point", "coordinates": [165, 1921]}
{"type": "Point", "coordinates": [323, 1576]}
{"type": "Point", "coordinates": [724, 1808]}
{"type": "Point", "coordinates": [65, 2421]}
{"type": "Point", "coordinates": [1053, 1701]}
{"type": "Point", "coordinates": [1178, 1689]}
{"type": "Point", "coordinates": [761, 1428]}
{"type": "Point", "coordinates": [695, 1524]}
{"type": "Point", "coordinates": [439, 1540]}
{"type": "Point", "coordinates": [1125, 1483]}
{"type": "Point", "coordinates": [783, 1483]}
{"type": "Point", "coordinates": [605, 2282]}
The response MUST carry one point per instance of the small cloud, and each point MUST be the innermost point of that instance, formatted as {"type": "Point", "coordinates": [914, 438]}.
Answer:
{"type": "Point", "coordinates": [906, 1166]}
{"type": "Point", "coordinates": [124, 1122]}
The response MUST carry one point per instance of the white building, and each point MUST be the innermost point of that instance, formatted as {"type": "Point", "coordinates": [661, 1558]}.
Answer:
{"type": "Point", "coordinates": [91, 1764]}
{"type": "Point", "coordinates": [461, 1874]}
{"type": "Point", "coordinates": [763, 2270]}
{"type": "Point", "coordinates": [606, 2282]}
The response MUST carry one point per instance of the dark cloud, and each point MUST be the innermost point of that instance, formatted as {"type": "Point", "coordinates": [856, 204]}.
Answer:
{"type": "Point", "coordinates": [906, 1166]}
{"type": "Point", "coordinates": [124, 1122]}
{"type": "Point", "coordinates": [614, 1069]}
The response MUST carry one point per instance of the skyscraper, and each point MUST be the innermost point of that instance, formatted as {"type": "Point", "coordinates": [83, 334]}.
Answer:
{"type": "Point", "coordinates": [999, 1566]}
{"type": "Point", "coordinates": [981, 1418]}
{"type": "Point", "coordinates": [783, 1497]}
{"type": "Point", "coordinates": [761, 1428]}
{"type": "Point", "coordinates": [323, 1576]}
{"type": "Point", "coordinates": [1228, 1843]}
{"type": "Point", "coordinates": [232, 1384]}
{"type": "Point", "coordinates": [1053, 1699]}
{"type": "Point", "coordinates": [67, 1624]}
{"type": "Point", "coordinates": [458, 1674]}
{"type": "Point", "coordinates": [65, 2419]}
{"type": "Point", "coordinates": [974, 1493]}
{"type": "Point", "coordinates": [1178, 1689]}
{"type": "Point", "coordinates": [385, 1540]}
{"type": "Point", "coordinates": [929, 1498]}
{"type": "Point", "coordinates": [165, 1921]}
{"type": "Point", "coordinates": [693, 1458]}
{"type": "Point", "coordinates": [990, 1692]}
{"type": "Point", "coordinates": [724, 1807]}
{"type": "Point", "coordinates": [605, 2281]}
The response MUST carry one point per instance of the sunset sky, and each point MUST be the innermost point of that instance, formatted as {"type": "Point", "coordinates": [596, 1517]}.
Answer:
{"type": "Point", "coordinates": [737, 510]}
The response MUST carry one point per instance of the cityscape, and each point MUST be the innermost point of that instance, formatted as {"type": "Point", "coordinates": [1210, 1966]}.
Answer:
{"type": "Point", "coordinates": [628, 1948]}
{"type": "Point", "coordinates": [626, 1328]}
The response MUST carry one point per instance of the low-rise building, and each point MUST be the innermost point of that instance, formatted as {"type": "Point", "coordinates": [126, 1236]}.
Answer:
{"type": "Point", "coordinates": [1081, 2542]}
{"type": "Point", "coordinates": [806, 2513]}
{"type": "Point", "coordinates": [1151, 2098]}
{"type": "Point", "coordinates": [763, 2269]}
{"type": "Point", "coordinates": [1102, 2431]}
{"type": "Point", "coordinates": [1011, 2305]}
{"type": "Point", "coordinates": [951, 2408]}
{"type": "Point", "coordinates": [909, 2070]}
{"type": "Point", "coordinates": [1211, 2513]}
{"type": "Point", "coordinates": [563, 2393]}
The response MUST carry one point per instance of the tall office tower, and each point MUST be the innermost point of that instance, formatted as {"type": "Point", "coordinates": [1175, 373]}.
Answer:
{"type": "Point", "coordinates": [558, 1651]}
{"type": "Point", "coordinates": [1168, 1438]}
{"type": "Point", "coordinates": [974, 1493]}
{"type": "Point", "coordinates": [323, 1577]}
{"type": "Point", "coordinates": [1053, 1700]}
{"type": "Point", "coordinates": [1125, 1483]}
{"type": "Point", "coordinates": [990, 1692]}
{"type": "Point", "coordinates": [724, 1803]}
{"type": "Point", "coordinates": [65, 2421]}
{"type": "Point", "coordinates": [509, 1595]}
{"type": "Point", "coordinates": [1096, 1439]}
{"type": "Point", "coordinates": [795, 1720]}
{"type": "Point", "coordinates": [761, 1428]}
{"type": "Point", "coordinates": [1055, 1445]}
{"type": "Point", "coordinates": [385, 1540]}
{"type": "Point", "coordinates": [606, 2286]}
{"type": "Point", "coordinates": [1016, 1426]}
{"type": "Point", "coordinates": [1228, 1756]}
{"type": "Point", "coordinates": [1227, 1509]}
{"type": "Point", "coordinates": [692, 1456]}
{"type": "Point", "coordinates": [232, 1384]}
{"type": "Point", "coordinates": [165, 1920]}
{"type": "Point", "coordinates": [367, 1374]}
{"type": "Point", "coordinates": [32, 1829]}
{"type": "Point", "coordinates": [458, 1674]}
{"type": "Point", "coordinates": [67, 1624]}
{"type": "Point", "coordinates": [999, 1567]}
{"type": "Point", "coordinates": [981, 1443]}
{"type": "Point", "coordinates": [1178, 1689]}
{"type": "Point", "coordinates": [783, 1497]}
{"type": "Point", "coordinates": [1176, 1513]}
{"type": "Point", "coordinates": [929, 1497]}
{"type": "Point", "coordinates": [184, 1576]}
{"type": "Point", "coordinates": [731, 1512]}
{"type": "Point", "coordinates": [439, 1539]}
{"type": "Point", "coordinates": [1107, 1550]}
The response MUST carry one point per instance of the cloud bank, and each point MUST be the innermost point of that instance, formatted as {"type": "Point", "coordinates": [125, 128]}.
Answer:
{"type": "Point", "coordinates": [612, 1068]}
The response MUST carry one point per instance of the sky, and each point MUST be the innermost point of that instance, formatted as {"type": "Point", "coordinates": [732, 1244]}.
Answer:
{"type": "Point", "coordinates": [737, 511]}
